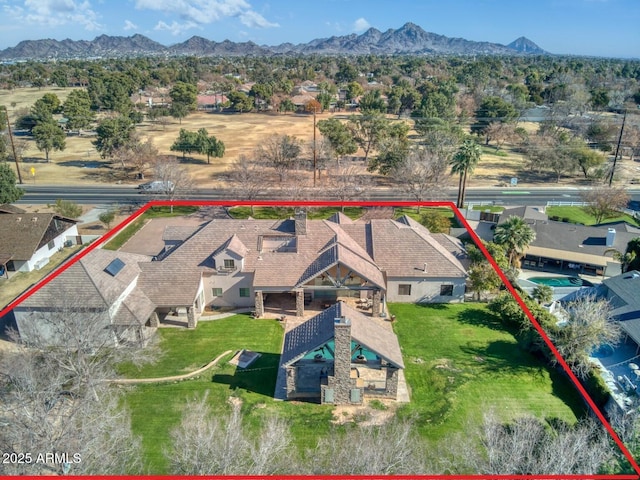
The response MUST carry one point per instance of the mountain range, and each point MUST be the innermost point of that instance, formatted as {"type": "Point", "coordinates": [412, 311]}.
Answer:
{"type": "Point", "coordinates": [408, 39]}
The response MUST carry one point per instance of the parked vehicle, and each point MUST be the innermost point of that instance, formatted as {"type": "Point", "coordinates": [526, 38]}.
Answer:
{"type": "Point", "coordinates": [156, 186]}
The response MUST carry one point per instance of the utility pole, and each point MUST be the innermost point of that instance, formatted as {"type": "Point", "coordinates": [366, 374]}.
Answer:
{"type": "Point", "coordinates": [315, 155]}
{"type": "Point", "coordinates": [615, 158]}
{"type": "Point", "coordinates": [13, 146]}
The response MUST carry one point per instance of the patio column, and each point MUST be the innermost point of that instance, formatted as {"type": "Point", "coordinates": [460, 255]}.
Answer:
{"type": "Point", "coordinates": [259, 304]}
{"type": "Point", "coordinates": [154, 320]}
{"type": "Point", "coordinates": [191, 317]}
{"type": "Point", "coordinates": [375, 307]}
{"type": "Point", "coordinates": [391, 388]}
{"type": "Point", "coordinates": [299, 302]}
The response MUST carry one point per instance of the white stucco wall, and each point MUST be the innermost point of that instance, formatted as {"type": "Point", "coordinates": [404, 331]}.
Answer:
{"type": "Point", "coordinates": [425, 290]}
{"type": "Point", "coordinates": [231, 285]}
{"type": "Point", "coordinates": [46, 252]}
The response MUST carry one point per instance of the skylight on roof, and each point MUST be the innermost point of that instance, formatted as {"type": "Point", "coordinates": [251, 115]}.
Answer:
{"type": "Point", "coordinates": [114, 267]}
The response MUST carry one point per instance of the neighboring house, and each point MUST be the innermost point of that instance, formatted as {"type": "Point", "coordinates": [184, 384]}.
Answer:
{"type": "Point", "coordinates": [240, 263]}
{"type": "Point", "coordinates": [28, 240]}
{"type": "Point", "coordinates": [103, 287]}
{"type": "Point", "coordinates": [340, 356]}
{"type": "Point", "coordinates": [571, 247]}
{"type": "Point", "coordinates": [211, 101]}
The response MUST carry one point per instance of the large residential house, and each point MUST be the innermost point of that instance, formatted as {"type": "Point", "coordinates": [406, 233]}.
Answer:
{"type": "Point", "coordinates": [242, 263]}
{"type": "Point", "coordinates": [561, 246]}
{"type": "Point", "coordinates": [249, 263]}
{"type": "Point", "coordinates": [102, 291]}
{"type": "Point", "coordinates": [28, 240]}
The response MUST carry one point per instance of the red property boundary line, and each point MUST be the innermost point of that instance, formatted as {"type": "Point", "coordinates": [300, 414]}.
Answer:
{"type": "Point", "coordinates": [479, 244]}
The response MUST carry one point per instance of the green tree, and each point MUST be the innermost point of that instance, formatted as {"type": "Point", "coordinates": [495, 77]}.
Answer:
{"type": "Point", "coordinates": [187, 142]}
{"type": "Point", "coordinates": [107, 218]}
{"type": "Point", "coordinates": [515, 235]}
{"type": "Point", "coordinates": [586, 158]}
{"type": "Point", "coordinates": [209, 145]}
{"type": "Point", "coordinates": [50, 101]}
{"type": "Point", "coordinates": [463, 163]}
{"type": "Point", "coordinates": [240, 101]}
{"type": "Point", "coordinates": [542, 294]}
{"type": "Point", "coordinates": [482, 275]}
{"type": "Point", "coordinates": [49, 136]}
{"type": "Point", "coordinates": [354, 89]}
{"type": "Point", "coordinates": [67, 208]}
{"type": "Point", "coordinates": [633, 250]}
{"type": "Point", "coordinates": [112, 134]}
{"type": "Point", "coordinates": [368, 130]}
{"type": "Point", "coordinates": [372, 103]}
{"type": "Point", "coordinates": [9, 191]}
{"type": "Point", "coordinates": [287, 105]}
{"type": "Point", "coordinates": [77, 109]}
{"type": "Point", "coordinates": [346, 73]}
{"type": "Point", "coordinates": [492, 109]}
{"type": "Point", "coordinates": [179, 110]}
{"type": "Point", "coordinates": [600, 98]}
{"type": "Point", "coordinates": [185, 94]}
{"type": "Point", "coordinates": [339, 137]}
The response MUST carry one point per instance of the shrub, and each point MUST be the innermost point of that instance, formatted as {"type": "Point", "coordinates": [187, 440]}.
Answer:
{"type": "Point", "coordinates": [597, 389]}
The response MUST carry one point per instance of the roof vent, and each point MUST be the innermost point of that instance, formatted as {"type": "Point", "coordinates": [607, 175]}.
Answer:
{"type": "Point", "coordinates": [425, 267]}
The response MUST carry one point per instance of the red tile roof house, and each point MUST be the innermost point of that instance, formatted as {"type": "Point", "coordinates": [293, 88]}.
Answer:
{"type": "Point", "coordinates": [28, 240]}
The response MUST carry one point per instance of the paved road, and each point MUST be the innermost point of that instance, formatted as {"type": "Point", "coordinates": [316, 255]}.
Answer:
{"type": "Point", "coordinates": [43, 194]}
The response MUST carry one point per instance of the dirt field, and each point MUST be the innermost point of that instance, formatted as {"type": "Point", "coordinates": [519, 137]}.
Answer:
{"type": "Point", "coordinates": [79, 163]}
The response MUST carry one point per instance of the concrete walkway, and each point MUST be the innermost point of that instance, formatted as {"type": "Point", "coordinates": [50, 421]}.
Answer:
{"type": "Point", "coordinates": [133, 381]}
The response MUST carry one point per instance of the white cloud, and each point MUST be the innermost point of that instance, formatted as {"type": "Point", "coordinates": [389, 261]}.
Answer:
{"type": "Point", "coordinates": [175, 28]}
{"type": "Point", "coordinates": [54, 13]}
{"type": "Point", "coordinates": [361, 25]}
{"type": "Point", "coordinates": [129, 25]}
{"type": "Point", "coordinates": [203, 12]}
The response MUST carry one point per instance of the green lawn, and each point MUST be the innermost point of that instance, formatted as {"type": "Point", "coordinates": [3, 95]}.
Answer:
{"type": "Point", "coordinates": [483, 368]}
{"type": "Point", "coordinates": [579, 215]}
{"type": "Point", "coordinates": [274, 213]}
{"type": "Point", "coordinates": [156, 408]}
{"type": "Point", "coordinates": [460, 362]}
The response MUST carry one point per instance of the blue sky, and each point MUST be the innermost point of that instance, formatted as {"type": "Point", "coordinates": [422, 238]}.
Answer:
{"type": "Point", "coordinates": [583, 27]}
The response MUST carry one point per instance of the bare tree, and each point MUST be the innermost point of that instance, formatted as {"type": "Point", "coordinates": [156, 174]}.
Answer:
{"type": "Point", "coordinates": [249, 179]}
{"type": "Point", "coordinates": [588, 325]}
{"type": "Point", "coordinates": [176, 178]}
{"type": "Point", "coordinates": [208, 444]}
{"type": "Point", "coordinates": [422, 175]}
{"type": "Point", "coordinates": [55, 395]}
{"type": "Point", "coordinates": [389, 449]}
{"type": "Point", "coordinates": [281, 152]}
{"type": "Point", "coordinates": [525, 446]}
{"type": "Point", "coordinates": [605, 201]}
{"type": "Point", "coordinates": [347, 184]}
{"type": "Point", "coordinates": [295, 187]}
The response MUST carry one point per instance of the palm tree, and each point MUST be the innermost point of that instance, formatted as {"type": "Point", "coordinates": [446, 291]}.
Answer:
{"type": "Point", "coordinates": [625, 259]}
{"type": "Point", "coordinates": [463, 163]}
{"type": "Point", "coordinates": [516, 236]}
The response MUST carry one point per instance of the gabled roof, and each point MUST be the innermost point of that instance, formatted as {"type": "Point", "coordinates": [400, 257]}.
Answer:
{"type": "Point", "coordinates": [320, 329]}
{"type": "Point", "coordinates": [8, 208]}
{"type": "Point", "coordinates": [340, 218]}
{"type": "Point", "coordinates": [21, 234]}
{"type": "Point", "coordinates": [94, 288]}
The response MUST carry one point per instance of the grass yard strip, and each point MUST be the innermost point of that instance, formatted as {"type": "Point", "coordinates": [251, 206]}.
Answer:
{"type": "Point", "coordinates": [460, 362]}
{"type": "Point", "coordinates": [491, 208]}
{"type": "Point", "coordinates": [157, 408]}
{"type": "Point", "coordinates": [276, 213]}
{"type": "Point", "coordinates": [413, 212]}
{"type": "Point", "coordinates": [186, 350]}
{"type": "Point", "coordinates": [579, 215]}
{"type": "Point", "coordinates": [155, 212]}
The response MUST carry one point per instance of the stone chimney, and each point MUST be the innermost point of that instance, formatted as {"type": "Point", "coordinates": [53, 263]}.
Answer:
{"type": "Point", "coordinates": [341, 382]}
{"type": "Point", "coordinates": [300, 218]}
{"type": "Point", "coordinates": [611, 237]}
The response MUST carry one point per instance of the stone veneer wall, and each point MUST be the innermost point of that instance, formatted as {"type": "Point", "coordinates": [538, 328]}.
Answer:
{"type": "Point", "coordinates": [341, 381]}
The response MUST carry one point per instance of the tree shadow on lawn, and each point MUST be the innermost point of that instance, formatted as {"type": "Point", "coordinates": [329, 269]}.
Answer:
{"type": "Point", "coordinates": [482, 318]}
{"type": "Point", "coordinates": [259, 377]}
{"type": "Point", "coordinates": [502, 357]}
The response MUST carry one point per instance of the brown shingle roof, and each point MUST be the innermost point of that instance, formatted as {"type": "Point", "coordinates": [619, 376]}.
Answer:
{"type": "Point", "coordinates": [21, 234]}
{"type": "Point", "coordinates": [88, 282]}
{"type": "Point", "coordinates": [320, 329]}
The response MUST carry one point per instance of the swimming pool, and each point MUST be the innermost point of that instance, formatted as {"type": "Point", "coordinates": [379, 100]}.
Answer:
{"type": "Point", "coordinates": [561, 281]}
{"type": "Point", "coordinates": [603, 351]}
